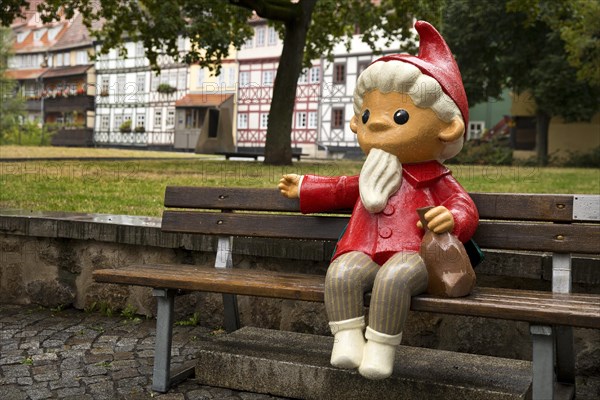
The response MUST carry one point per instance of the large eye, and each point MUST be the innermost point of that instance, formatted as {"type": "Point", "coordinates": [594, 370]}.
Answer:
{"type": "Point", "coordinates": [365, 116]}
{"type": "Point", "coordinates": [400, 117]}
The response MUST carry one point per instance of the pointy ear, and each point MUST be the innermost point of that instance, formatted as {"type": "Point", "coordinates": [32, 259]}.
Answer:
{"type": "Point", "coordinates": [354, 124]}
{"type": "Point", "coordinates": [454, 130]}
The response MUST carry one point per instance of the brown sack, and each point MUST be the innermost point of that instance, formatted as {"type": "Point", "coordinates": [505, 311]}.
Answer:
{"type": "Point", "coordinates": [450, 271]}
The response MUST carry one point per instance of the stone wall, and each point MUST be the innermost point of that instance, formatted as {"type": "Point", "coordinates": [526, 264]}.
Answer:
{"type": "Point", "coordinates": [48, 259]}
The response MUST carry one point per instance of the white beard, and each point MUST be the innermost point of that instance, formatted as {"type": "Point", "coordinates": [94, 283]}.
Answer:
{"type": "Point", "coordinates": [380, 177]}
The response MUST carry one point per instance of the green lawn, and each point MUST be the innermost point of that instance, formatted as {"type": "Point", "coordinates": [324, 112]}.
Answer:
{"type": "Point", "coordinates": [137, 187]}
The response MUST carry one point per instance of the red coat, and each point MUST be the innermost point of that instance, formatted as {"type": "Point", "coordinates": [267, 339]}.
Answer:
{"type": "Point", "coordinates": [394, 229]}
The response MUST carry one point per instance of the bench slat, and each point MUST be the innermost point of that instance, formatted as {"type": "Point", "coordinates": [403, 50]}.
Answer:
{"type": "Point", "coordinates": [527, 207]}
{"type": "Point", "coordinates": [564, 238]}
{"type": "Point", "coordinates": [521, 305]}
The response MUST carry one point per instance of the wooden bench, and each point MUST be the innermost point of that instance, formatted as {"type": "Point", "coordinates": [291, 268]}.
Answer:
{"type": "Point", "coordinates": [255, 152]}
{"type": "Point", "coordinates": [560, 224]}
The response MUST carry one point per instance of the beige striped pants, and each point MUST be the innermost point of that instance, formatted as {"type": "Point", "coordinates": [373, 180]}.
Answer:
{"type": "Point", "coordinates": [352, 274]}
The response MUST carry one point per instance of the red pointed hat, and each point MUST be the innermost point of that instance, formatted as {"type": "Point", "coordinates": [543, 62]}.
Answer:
{"type": "Point", "coordinates": [436, 60]}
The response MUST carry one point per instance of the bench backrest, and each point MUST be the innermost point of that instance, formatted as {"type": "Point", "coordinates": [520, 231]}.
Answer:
{"type": "Point", "coordinates": [534, 222]}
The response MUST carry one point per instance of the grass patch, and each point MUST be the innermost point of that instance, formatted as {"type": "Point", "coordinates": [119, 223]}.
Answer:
{"type": "Point", "coordinates": [137, 187]}
{"type": "Point", "coordinates": [10, 151]}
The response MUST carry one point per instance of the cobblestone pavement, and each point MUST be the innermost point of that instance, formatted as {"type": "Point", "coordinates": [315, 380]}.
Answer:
{"type": "Point", "coordinates": [71, 354]}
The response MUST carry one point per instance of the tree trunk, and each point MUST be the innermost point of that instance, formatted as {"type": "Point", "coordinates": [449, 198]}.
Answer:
{"type": "Point", "coordinates": [278, 146]}
{"type": "Point", "coordinates": [541, 137]}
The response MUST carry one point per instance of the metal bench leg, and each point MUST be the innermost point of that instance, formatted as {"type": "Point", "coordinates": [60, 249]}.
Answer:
{"type": "Point", "coordinates": [230, 305]}
{"type": "Point", "coordinates": [543, 362]}
{"type": "Point", "coordinates": [161, 378]}
{"type": "Point", "coordinates": [565, 352]}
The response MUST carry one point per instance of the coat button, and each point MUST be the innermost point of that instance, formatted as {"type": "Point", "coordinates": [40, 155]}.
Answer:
{"type": "Point", "coordinates": [385, 232]}
{"type": "Point", "coordinates": [388, 210]}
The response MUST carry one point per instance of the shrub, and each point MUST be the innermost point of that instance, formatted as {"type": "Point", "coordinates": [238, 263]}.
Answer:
{"type": "Point", "coordinates": [125, 127]}
{"type": "Point", "coordinates": [140, 129]}
{"type": "Point", "coordinates": [585, 159]}
{"type": "Point", "coordinates": [497, 151]}
{"type": "Point", "coordinates": [165, 88]}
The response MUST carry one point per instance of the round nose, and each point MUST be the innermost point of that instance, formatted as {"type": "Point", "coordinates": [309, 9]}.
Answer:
{"type": "Point", "coordinates": [377, 125]}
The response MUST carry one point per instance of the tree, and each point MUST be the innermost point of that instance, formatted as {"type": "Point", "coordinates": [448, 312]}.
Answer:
{"type": "Point", "coordinates": [309, 29]}
{"type": "Point", "coordinates": [498, 46]}
{"type": "Point", "coordinates": [11, 106]}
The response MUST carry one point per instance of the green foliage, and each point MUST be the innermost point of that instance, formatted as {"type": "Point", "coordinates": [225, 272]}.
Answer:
{"type": "Point", "coordinates": [581, 159]}
{"type": "Point", "coordinates": [165, 88]}
{"type": "Point", "coordinates": [129, 312]}
{"type": "Point", "coordinates": [493, 152]}
{"type": "Point", "coordinates": [27, 361]}
{"type": "Point", "coordinates": [125, 127]}
{"type": "Point", "coordinates": [194, 320]}
{"type": "Point", "coordinates": [498, 44]}
{"type": "Point", "coordinates": [28, 133]}
{"type": "Point", "coordinates": [12, 107]}
{"type": "Point", "coordinates": [140, 129]}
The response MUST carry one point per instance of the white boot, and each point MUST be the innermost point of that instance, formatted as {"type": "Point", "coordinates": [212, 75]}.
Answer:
{"type": "Point", "coordinates": [348, 342]}
{"type": "Point", "coordinates": [378, 357]}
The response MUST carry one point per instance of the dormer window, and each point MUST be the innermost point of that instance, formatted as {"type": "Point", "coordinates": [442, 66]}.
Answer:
{"type": "Point", "coordinates": [53, 32]}
{"type": "Point", "coordinates": [37, 35]}
{"type": "Point", "coordinates": [21, 36]}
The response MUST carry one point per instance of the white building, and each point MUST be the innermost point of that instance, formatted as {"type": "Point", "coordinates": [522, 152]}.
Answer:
{"type": "Point", "coordinates": [258, 61]}
{"type": "Point", "coordinates": [339, 81]}
{"type": "Point", "coordinates": [129, 91]}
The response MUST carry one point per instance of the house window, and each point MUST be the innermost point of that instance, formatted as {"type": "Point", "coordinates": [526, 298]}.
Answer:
{"type": "Point", "coordinates": [200, 82]}
{"type": "Point", "coordinates": [362, 65]}
{"type": "Point", "coordinates": [244, 78]}
{"type": "Point", "coordinates": [192, 118]}
{"type": "Point", "coordinates": [312, 119]}
{"type": "Point", "coordinates": [260, 36]}
{"type": "Point", "coordinates": [303, 78]}
{"type": "Point", "coordinates": [230, 76]}
{"type": "Point", "coordinates": [140, 120]}
{"type": "Point", "coordinates": [140, 83]}
{"type": "Point", "coordinates": [475, 129]}
{"type": "Point", "coordinates": [37, 35]}
{"type": "Point", "coordinates": [248, 44]}
{"type": "Point", "coordinates": [104, 84]}
{"type": "Point", "coordinates": [315, 75]}
{"type": "Point", "coordinates": [118, 121]}
{"type": "Point", "coordinates": [337, 118]}
{"type": "Point", "coordinates": [21, 36]}
{"type": "Point", "coordinates": [272, 36]}
{"type": "Point", "coordinates": [59, 60]}
{"type": "Point", "coordinates": [339, 74]}
{"type": "Point", "coordinates": [66, 59]}
{"type": "Point", "coordinates": [242, 121]}
{"type": "Point", "coordinates": [157, 119]}
{"type": "Point", "coordinates": [180, 43]}
{"type": "Point", "coordinates": [173, 79]}
{"type": "Point", "coordinates": [104, 122]}
{"type": "Point", "coordinates": [121, 83]}
{"type": "Point", "coordinates": [182, 78]}
{"type": "Point", "coordinates": [155, 82]}
{"type": "Point", "coordinates": [81, 57]}
{"type": "Point", "coordinates": [264, 121]}
{"type": "Point", "coordinates": [301, 120]}
{"type": "Point", "coordinates": [139, 50]}
{"type": "Point", "coordinates": [267, 78]}
{"type": "Point", "coordinates": [170, 118]}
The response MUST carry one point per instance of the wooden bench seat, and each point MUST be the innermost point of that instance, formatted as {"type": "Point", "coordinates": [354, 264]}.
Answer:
{"type": "Point", "coordinates": [579, 310]}
{"type": "Point", "coordinates": [557, 224]}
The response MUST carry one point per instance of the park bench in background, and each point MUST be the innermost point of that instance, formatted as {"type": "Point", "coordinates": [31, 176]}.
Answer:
{"type": "Point", "coordinates": [560, 224]}
{"type": "Point", "coordinates": [255, 152]}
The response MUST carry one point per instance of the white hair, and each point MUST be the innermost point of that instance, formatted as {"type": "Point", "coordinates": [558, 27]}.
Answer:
{"type": "Point", "coordinates": [424, 91]}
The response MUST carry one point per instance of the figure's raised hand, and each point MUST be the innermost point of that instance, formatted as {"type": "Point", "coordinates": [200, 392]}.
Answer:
{"type": "Point", "coordinates": [439, 220]}
{"type": "Point", "coordinates": [289, 185]}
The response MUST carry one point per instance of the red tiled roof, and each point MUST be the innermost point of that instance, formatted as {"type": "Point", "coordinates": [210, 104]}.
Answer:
{"type": "Point", "coordinates": [202, 100]}
{"type": "Point", "coordinates": [24, 74]}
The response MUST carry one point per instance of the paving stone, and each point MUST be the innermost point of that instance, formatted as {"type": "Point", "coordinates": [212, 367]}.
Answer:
{"type": "Point", "coordinates": [80, 356]}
